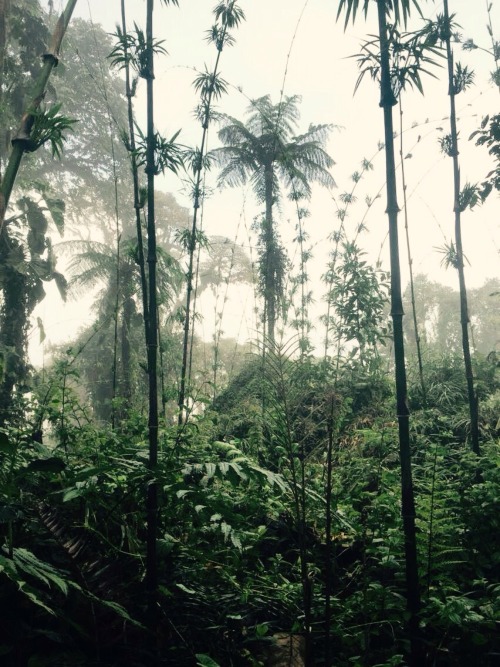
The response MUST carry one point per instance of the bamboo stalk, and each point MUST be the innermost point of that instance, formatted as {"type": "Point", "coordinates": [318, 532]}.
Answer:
{"type": "Point", "coordinates": [464, 311]}
{"type": "Point", "coordinates": [22, 138]}
{"type": "Point", "coordinates": [387, 101]}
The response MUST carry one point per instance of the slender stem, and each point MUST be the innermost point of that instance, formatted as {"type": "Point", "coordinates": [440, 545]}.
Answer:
{"type": "Point", "coordinates": [328, 535]}
{"type": "Point", "coordinates": [430, 539]}
{"type": "Point", "coordinates": [135, 177]}
{"type": "Point", "coordinates": [115, 317]}
{"type": "Point", "coordinates": [194, 227]}
{"type": "Point", "coordinates": [410, 260]}
{"type": "Point", "coordinates": [193, 323]}
{"type": "Point", "coordinates": [4, 9]}
{"type": "Point", "coordinates": [464, 313]}
{"type": "Point", "coordinates": [162, 369]}
{"type": "Point", "coordinates": [270, 250]}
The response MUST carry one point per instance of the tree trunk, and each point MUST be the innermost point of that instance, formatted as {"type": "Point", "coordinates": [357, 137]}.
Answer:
{"type": "Point", "coordinates": [4, 8]}
{"type": "Point", "coordinates": [270, 250]}
{"type": "Point", "coordinates": [152, 342]}
{"type": "Point", "coordinates": [387, 101]}
{"type": "Point", "coordinates": [13, 324]}
{"type": "Point", "coordinates": [21, 140]}
{"type": "Point", "coordinates": [464, 313]}
{"type": "Point", "coordinates": [126, 392]}
{"type": "Point", "coordinates": [115, 327]}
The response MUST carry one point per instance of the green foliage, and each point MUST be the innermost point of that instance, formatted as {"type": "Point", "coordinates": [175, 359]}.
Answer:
{"type": "Point", "coordinates": [397, 6]}
{"type": "Point", "coordinates": [489, 135]}
{"type": "Point", "coordinates": [410, 55]}
{"type": "Point", "coordinates": [131, 49]}
{"type": "Point", "coordinates": [463, 78]}
{"type": "Point", "coordinates": [284, 492]}
{"type": "Point", "coordinates": [168, 155]}
{"type": "Point", "coordinates": [359, 294]}
{"type": "Point", "coordinates": [264, 151]}
{"type": "Point", "coordinates": [50, 126]}
{"type": "Point", "coordinates": [231, 543]}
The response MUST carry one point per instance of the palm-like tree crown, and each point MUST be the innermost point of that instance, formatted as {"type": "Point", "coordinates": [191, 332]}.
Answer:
{"type": "Point", "coordinates": [265, 151]}
{"type": "Point", "coordinates": [95, 264]}
{"type": "Point", "coordinates": [266, 141]}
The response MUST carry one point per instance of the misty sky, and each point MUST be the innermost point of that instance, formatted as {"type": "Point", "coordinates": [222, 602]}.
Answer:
{"type": "Point", "coordinates": [297, 47]}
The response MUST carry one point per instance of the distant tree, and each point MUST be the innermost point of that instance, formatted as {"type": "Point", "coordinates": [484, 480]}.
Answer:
{"type": "Point", "coordinates": [359, 294]}
{"type": "Point", "coordinates": [27, 259]}
{"type": "Point", "coordinates": [438, 315]}
{"type": "Point", "coordinates": [263, 150]}
{"type": "Point", "coordinates": [94, 264]}
{"type": "Point", "coordinates": [94, 159]}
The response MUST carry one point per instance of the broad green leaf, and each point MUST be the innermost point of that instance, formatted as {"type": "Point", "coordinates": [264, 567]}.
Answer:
{"type": "Point", "coordinates": [57, 209]}
{"type": "Point", "coordinates": [72, 493]}
{"type": "Point", "coordinates": [190, 591]}
{"type": "Point", "coordinates": [205, 661]}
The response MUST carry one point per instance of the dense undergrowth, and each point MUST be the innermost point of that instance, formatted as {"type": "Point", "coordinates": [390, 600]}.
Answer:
{"type": "Point", "coordinates": [243, 552]}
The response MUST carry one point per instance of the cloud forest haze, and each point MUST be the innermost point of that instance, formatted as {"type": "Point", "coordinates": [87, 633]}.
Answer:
{"type": "Point", "coordinates": [249, 333]}
{"type": "Point", "coordinates": [298, 48]}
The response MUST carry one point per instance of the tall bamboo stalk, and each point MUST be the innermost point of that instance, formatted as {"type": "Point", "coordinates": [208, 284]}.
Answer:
{"type": "Point", "coordinates": [387, 101]}
{"type": "Point", "coordinates": [464, 312]}
{"type": "Point", "coordinates": [152, 330]}
{"type": "Point", "coordinates": [22, 138]}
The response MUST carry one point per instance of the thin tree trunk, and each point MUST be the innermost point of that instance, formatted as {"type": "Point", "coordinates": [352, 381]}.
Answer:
{"type": "Point", "coordinates": [194, 228]}
{"type": "Point", "coordinates": [407, 495]}
{"type": "Point", "coordinates": [138, 205]}
{"type": "Point", "coordinates": [128, 310]}
{"type": "Point", "coordinates": [4, 9]}
{"type": "Point", "coordinates": [115, 336]}
{"type": "Point", "coordinates": [162, 370]}
{"type": "Point", "coordinates": [185, 342]}
{"type": "Point", "coordinates": [13, 325]}
{"type": "Point", "coordinates": [152, 341]}
{"type": "Point", "coordinates": [22, 139]}
{"type": "Point", "coordinates": [329, 561]}
{"type": "Point", "coordinates": [410, 262]}
{"type": "Point", "coordinates": [269, 248]}
{"type": "Point", "coordinates": [464, 313]}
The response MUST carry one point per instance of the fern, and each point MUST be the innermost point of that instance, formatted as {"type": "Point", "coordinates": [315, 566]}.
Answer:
{"type": "Point", "coordinates": [35, 578]}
